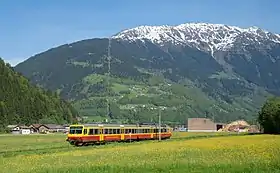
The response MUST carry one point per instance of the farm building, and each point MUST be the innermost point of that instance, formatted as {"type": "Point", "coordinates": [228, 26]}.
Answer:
{"type": "Point", "coordinates": [41, 128]}
{"type": "Point", "coordinates": [20, 129]}
{"type": "Point", "coordinates": [55, 128]}
{"type": "Point", "coordinates": [203, 125]}
{"type": "Point", "coordinates": [37, 128]}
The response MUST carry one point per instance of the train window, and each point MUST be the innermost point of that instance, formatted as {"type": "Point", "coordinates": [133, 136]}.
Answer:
{"type": "Point", "coordinates": [118, 131]}
{"type": "Point", "coordinates": [114, 131]}
{"type": "Point", "coordinates": [106, 131]}
{"type": "Point", "coordinates": [91, 131]}
{"type": "Point", "coordinates": [128, 131]}
{"type": "Point", "coordinates": [110, 131]}
{"type": "Point", "coordinates": [133, 131]}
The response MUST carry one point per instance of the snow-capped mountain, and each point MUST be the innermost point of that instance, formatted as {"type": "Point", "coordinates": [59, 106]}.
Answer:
{"type": "Point", "coordinates": [193, 66]}
{"type": "Point", "coordinates": [204, 36]}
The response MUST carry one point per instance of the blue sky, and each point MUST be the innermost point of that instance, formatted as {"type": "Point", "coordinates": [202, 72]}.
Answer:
{"type": "Point", "coordinates": [28, 27]}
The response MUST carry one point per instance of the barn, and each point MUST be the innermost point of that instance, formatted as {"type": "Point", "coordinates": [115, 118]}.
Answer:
{"type": "Point", "coordinates": [203, 125]}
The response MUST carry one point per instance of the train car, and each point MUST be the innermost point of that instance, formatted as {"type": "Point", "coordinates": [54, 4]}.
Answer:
{"type": "Point", "coordinates": [85, 134]}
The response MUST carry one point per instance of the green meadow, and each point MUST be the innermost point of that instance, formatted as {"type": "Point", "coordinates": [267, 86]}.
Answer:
{"type": "Point", "coordinates": [184, 152]}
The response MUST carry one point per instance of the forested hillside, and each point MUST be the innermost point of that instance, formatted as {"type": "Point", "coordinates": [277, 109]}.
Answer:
{"type": "Point", "coordinates": [20, 102]}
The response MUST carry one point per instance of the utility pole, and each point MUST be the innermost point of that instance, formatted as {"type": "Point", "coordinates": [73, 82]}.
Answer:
{"type": "Point", "coordinates": [108, 77]}
{"type": "Point", "coordinates": [159, 123]}
{"type": "Point", "coordinates": [159, 120]}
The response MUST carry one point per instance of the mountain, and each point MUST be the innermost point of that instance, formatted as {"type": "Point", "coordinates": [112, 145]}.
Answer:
{"type": "Point", "coordinates": [22, 103]}
{"type": "Point", "coordinates": [192, 70]}
{"type": "Point", "coordinates": [203, 36]}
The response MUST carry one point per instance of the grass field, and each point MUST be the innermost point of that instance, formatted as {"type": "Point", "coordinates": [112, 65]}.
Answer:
{"type": "Point", "coordinates": [185, 152]}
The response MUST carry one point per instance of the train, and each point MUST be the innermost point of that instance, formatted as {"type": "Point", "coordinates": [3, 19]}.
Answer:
{"type": "Point", "coordinates": [90, 134]}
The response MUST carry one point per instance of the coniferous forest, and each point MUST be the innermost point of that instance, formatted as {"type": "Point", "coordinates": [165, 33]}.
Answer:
{"type": "Point", "coordinates": [23, 103]}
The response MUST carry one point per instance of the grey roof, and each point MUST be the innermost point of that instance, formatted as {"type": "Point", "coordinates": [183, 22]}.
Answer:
{"type": "Point", "coordinates": [54, 126]}
{"type": "Point", "coordinates": [24, 127]}
{"type": "Point", "coordinates": [12, 126]}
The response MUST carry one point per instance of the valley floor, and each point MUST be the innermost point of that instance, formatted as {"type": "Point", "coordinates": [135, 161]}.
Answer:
{"type": "Point", "coordinates": [185, 152]}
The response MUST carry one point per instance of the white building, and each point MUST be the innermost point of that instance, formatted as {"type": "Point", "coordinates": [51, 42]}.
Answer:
{"type": "Point", "coordinates": [25, 131]}
{"type": "Point", "coordinates": [19, 129]}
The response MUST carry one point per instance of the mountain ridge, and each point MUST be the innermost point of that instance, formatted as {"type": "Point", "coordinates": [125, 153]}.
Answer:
{"type": "Point", "coordinates": [195, 33]}
{"type": "Point", "coordinates": [228, 83]}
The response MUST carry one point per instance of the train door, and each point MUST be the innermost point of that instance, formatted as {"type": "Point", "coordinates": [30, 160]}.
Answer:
{"type": "Point", "coordinates": [152, 133]}
{"type": "Point", "coordinates": [85, 132]}
{"type": "Point", "coordinates": [101, 132]}
{"type": "Point", "coordinates": [122, 133]}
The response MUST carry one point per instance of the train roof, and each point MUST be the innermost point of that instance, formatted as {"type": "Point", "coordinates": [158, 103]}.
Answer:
{"type": "Point", "coordinates": [120, 125]}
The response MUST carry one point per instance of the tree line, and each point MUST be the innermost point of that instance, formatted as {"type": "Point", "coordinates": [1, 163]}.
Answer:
{"type": "Point", "coordinates": [269, 116]}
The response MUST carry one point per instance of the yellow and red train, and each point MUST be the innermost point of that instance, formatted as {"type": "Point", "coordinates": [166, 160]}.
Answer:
{"type": "Point", "coordinates": [85, 134]}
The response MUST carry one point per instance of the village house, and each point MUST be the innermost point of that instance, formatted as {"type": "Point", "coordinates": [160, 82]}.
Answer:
{"type": "Point", "coordinates": [52, 128]}
{"type": "Point", "coordinates": [20, 129]}
{"type": "Point", "coordinates": [37, 128]}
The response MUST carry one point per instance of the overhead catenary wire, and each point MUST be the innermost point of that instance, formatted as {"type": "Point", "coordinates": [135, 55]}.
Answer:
{"type": "Point", "coordinates": [108, 77]}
